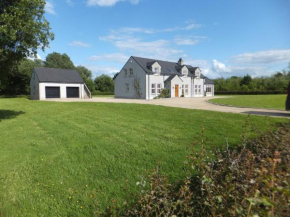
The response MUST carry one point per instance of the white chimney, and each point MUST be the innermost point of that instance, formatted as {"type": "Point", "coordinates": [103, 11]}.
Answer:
{"type": "Point", "coordinates": [180, 61]}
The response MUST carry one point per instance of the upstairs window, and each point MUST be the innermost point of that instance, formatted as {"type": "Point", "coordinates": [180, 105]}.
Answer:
{"type": "Point", "coordinates": [156, 70]}
{"type": "Point", "coordinates": [184, 72]}
{"type": "Point", "coordinates": [131, 71]}
{"type": "Point", "coordinates": [126, 72]}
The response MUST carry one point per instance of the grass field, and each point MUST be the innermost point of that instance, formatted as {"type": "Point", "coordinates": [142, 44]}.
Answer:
{"type": "Point", "coordinates": [73, 159]}
{"type": "Point", "coordinates": [254, 101]}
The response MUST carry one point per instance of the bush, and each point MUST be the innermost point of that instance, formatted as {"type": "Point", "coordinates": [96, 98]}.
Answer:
{"type": "Point", "coordinates": [250, 180]}
{"type": "Point", "coordinates": [164, 94]}
{"type": "Point", "coordinates": [96, 92]}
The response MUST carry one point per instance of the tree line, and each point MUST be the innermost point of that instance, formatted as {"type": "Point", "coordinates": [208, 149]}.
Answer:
{"type": "Point", "coordinates": [24, 30]}
{"type": "Point", "coordinates": [277, 83]}
{"type": "Point", "coordinates": [18, 80]}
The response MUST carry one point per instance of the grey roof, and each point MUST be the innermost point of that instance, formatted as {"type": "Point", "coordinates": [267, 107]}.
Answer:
{"type": "Point", "coordinates": [167, 68]}
{"type": "Point", "coordinates": [58, 75]}
{"type": "Point", "coordinates": [208, 81]}
{"type": "Point", "coordinates": [171, 77]}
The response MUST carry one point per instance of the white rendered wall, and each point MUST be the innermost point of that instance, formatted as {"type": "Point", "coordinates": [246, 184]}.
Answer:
{"type": "Point", "coordinates": [198, 81]}
{"type": "Point", "coordinates": [62, 89]}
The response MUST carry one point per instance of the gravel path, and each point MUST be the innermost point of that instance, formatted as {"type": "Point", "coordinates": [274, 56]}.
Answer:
{"type": "Point", "coordinates": [189, 103]}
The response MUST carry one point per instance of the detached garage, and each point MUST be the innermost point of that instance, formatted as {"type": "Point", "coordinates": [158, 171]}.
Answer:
{"type": "Point", "coordinates": [49, 83]}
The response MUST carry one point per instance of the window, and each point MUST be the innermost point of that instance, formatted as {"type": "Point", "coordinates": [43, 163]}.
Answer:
{"type": "Point", "coordinates": [186, 89]}
{"type": "Point", "coordinates": [184, 72]}
{"type": "Point", "coordinates": [153, 88]}
{"type": "Point", "coordinates": [208, 88]}
{"type": "Point", "coordinates": [127, 87]}
{"type": "Point", "coordinates": [156, 70]}
{"type": "Point", "coordinates": [126, 72]}
{"type": "Point", "coordinates": [197, 89]}
{"type": "Point", "coordinates": [131, 71]}
{"type": "Point", "coordinates": [158, 88]}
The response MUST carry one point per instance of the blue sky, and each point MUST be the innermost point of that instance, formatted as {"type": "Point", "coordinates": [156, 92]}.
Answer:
{"type": "Point", "coordinates": [222, 37]}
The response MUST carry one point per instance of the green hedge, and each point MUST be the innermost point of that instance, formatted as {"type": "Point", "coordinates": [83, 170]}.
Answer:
{"type": "Point", "coordinates": [248, 92]}
{"type": "Point", "coordinates": [15, 96]}
{"type": "Point", "coordinates": [101, 93]}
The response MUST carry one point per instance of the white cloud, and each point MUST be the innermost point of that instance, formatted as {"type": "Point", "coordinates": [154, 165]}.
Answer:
{"type": "Point", "coordinates": [220, 67]}
{"type": "Point", "coordinates": [188, 40]}
{"type": "Point", "coordinates": [262, 57]}
{"type": "Point", "coordinates": [79, 44]}
{"type": "Point", "coordinates": [37, 57]}
{"type": "Point", "coordinates": [70, 2]}
{"type": "Point", "coordinates": [108, 3]}
{"type": "Point", "coordinates": [114, 57]}
{"type": "Point", "coordinates": [49, 8]}
{"type": "Point", "coordinates": [99, 70]}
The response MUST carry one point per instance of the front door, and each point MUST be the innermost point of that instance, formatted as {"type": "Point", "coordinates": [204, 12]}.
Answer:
{"type": "Point", "coordinates": [176, 90]}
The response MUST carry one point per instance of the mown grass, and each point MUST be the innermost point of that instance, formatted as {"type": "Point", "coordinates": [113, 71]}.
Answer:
{"type": "Point", "coordinates": [254, 101]}
{"type": "Point", "coordinates": [73, 159]}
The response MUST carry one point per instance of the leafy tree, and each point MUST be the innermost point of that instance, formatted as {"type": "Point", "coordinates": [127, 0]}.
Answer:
{"type": "Point", "coordinates": [86, 74]}
{"type": "Point", "coordinates": [57, 60]}
{"type": "Point", "coordinates": [246, 80]}
{"type": "Point", "coordinates": [104, 83]}
{"type": "Point", "coordinates": [23, 29]}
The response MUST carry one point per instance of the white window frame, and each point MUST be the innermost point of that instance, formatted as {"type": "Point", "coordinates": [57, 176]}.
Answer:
{"type": "Point", "coordinates": [126, 72]}
{"type": "Point", "coordinates": [184, 72]}
{"type": "Point", "coordinates": [197, 89]}
{"type": "Point", "coordinates": [208, 87]}
{"type": "Point", "coordinates": [158, 88]}
{"type": "Point", "coordinates": [131, 71]}
{"type": "Point", "coordinates": [127, 87]}
{"type": "Point", "coordinates": [153, 88]}
{"type": "Point", "coordinates": [186, 89]}
{"type": "Point", "coordinates": [156, 70]}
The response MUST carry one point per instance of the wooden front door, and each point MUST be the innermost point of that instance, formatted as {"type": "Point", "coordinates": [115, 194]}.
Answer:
{"type": "Point", "coordinates": [176, 90]}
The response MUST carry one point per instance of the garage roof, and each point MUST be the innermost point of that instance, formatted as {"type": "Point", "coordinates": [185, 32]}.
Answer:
{"type": "Point", "coordinates": [58, 75]}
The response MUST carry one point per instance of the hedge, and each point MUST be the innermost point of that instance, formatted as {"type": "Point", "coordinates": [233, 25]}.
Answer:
{"type": "Point", "coordinates": [248, 92]}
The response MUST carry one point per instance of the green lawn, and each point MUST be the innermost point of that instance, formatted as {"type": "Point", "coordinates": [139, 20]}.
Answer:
{"type": "Point", "coordinates": [254, 101]}
{"type": "Point", "coordinates": [73, 159]}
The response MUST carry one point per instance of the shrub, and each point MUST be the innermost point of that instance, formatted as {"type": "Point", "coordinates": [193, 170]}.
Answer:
{"type": "Point", "coordinates": [164, 94]}
{"type": "Point", "coordinates": [250, 180]}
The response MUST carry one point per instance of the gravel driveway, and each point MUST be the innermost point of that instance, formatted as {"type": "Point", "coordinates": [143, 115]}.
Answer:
{"type": "Point", "coordinates": [189, 103]}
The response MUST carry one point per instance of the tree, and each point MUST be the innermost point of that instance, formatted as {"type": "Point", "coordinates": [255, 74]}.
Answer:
{"type": "Point", "coordinates": [57, 60]}
{"type": "Point", "coordinates": [23, 30]}
{"type": "Point", "coordinates": [246, 80]}
{"type": "Point", "coordinates": [86, 74]}
{"type": "Point", "coordinates": [104, 83]}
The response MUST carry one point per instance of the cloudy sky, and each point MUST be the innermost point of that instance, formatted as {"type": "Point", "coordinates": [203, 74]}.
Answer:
{"type": "Point", "coordinates": [222, 37]}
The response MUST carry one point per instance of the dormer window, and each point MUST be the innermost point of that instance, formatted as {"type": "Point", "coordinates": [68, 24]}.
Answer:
{"type": "Point", "coordinates": [131, 71]}
{"type": "Point", "coordinates": [184, 72]}
{"type": "Point", "coordinates": [156, 70]}
{"type": "Point", "coordinates": [126, 72]}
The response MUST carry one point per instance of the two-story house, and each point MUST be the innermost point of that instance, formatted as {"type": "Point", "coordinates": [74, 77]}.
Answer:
{"type": "Point", "coordinates": [143, 78]}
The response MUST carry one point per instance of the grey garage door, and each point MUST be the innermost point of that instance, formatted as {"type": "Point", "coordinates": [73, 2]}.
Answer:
{"type": "Point", "coordinates": [52, 92]}
{"type": "Point", "coordinates": [72, 92]}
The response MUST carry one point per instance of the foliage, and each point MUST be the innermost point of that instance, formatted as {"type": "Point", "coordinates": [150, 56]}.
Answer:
{"type": "Point", "coordinates": [260, 85]}
{"type": "Point", "coordinates": [250, 180]}
{"type": "Point", "coordinates": [164, 94]}
{"type": "Point", "coordinates": [19, 78]}
{"type": "Point", "coordinates": [57, 60]}
{"type": "Point", "coordinates": [137, 86]}
{"type": "Point", "coordinates": [23, 29]}
{"type": "Point", "coordinates": [56, 156]}
{"type": "Point", "coordinates": [86, 74]}
{"type": "Point", "coordinates": [254, 101]}
{"type": "Point", "coordinates": [104, 83]}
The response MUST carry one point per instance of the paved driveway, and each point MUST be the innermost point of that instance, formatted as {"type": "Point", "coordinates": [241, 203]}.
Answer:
{"type": "Point", "coordinates": [189, 103]}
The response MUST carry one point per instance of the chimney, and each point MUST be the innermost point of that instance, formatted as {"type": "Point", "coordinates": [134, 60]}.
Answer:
{"type": "Point", "coordinates": [180, 61]}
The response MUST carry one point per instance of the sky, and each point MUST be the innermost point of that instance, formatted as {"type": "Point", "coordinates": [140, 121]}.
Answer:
{"type": "Point", "coordinates": [223, 37]}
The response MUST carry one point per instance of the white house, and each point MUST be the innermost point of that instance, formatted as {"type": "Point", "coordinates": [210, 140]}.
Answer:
{"type": "Point", "coordinates": [145, 78]}
{"type": "Point", "coordinates": [48, 83]}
